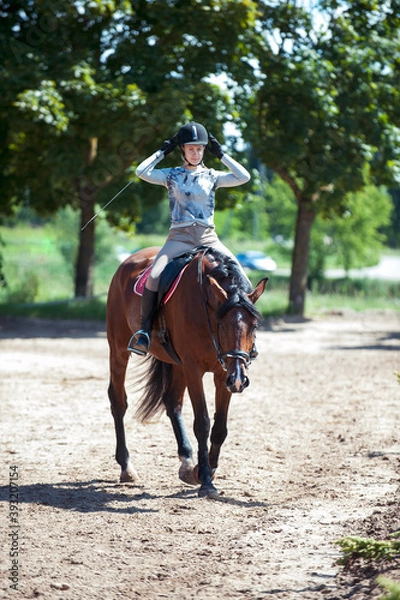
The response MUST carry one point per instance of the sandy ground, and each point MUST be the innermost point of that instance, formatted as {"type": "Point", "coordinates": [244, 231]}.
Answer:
{"type": "Point", "coordinates": [313, 454]}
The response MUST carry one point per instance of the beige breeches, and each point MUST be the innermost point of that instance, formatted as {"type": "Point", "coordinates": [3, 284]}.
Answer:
{"type": "Point", "coordinates": [179, 241]}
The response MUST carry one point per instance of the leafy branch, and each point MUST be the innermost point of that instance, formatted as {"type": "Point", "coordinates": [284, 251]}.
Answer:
{"type": "Point", "coordinates": [368, 548]}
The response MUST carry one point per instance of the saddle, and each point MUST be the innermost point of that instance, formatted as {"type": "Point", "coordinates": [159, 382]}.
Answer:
{"type": "Point", "coordinates": [170, 277]}
{"type": "Point", "coordinates": [169, 281]}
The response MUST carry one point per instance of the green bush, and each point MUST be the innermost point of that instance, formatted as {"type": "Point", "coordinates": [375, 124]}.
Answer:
{"type": "Point", "coordinates": [368, 548]}
{"type": "Point", "coordinates": [25, 286]}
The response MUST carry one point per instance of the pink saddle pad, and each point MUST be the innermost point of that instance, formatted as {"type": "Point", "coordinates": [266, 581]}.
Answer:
{"type": "Point", "coordinates": [141, 282]}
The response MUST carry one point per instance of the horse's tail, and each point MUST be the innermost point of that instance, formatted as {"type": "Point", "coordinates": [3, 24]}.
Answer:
{"type": "Point", "coordinates": [155, 384]}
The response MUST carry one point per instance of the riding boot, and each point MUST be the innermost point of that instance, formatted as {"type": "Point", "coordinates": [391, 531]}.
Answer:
{"type": "Point", "coordinates": [140, 341]}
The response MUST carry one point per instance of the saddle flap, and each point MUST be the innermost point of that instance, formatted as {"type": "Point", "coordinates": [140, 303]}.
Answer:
{"type": "Point", "coordinates": [170, 277]}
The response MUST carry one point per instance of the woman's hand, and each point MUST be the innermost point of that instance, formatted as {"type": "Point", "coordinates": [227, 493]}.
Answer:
{"type": "Point", "coordinates": [169, 145]}
{"type": "Point", "coordinates": [214, 146]}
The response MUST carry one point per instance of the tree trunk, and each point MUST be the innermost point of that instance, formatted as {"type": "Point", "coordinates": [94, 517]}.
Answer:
{"type": "Point", "coordinates": [84, 270]}
{"type": "Point", "coordinates": [298, 279]}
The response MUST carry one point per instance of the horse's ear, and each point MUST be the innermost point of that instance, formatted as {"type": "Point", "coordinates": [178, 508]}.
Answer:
{"type": "Point", "coordinates": [258, 290]}
{"type": "Point", "coordinates": [218, 291]}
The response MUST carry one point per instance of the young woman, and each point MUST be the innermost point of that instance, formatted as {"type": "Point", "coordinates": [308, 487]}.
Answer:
{"type": "Point", "coordinates": [191, 190]}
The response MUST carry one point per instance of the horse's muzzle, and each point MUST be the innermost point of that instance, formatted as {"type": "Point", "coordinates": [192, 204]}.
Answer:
{"type": "Point", "coordinates": [237, 380]}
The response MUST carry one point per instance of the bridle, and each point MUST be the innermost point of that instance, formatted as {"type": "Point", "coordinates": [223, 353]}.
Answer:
{"type": "Point", "coordinates": [221, 356]}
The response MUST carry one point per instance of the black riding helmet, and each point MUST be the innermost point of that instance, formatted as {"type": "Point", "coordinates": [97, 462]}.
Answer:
{"type": "Point", "coordinates": [192, 133]}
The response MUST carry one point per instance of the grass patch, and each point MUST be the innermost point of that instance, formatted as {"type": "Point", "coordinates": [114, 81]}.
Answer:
{"type": "Point", "coordinates": [88, 310]}
{"type": "Point", "coordinates": [391, 587]}
{"type": "Point", "coordinates": [273, 303]}
{"type": "Point", "coordinates": [39, 271]}
{"type": "Point", "coordinates": [33, 266]}
{"type": "Point", "coordinates": [330, 295]}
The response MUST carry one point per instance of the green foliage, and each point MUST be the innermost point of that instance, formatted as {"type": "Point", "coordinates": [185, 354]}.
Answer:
{"type": "Point", "coordinates": [327, 100]}
{"type": "Point", "coordinates": [281, 208]}
{"type": "Point", "coordinates": [356, 236]}
{"type": "Point", "coordinates": [90, 88]}
{"type": "Point", "coordinates": [37, 265]}
{"type": "Point", "coordinates": [33, 268]}
{"type": "Point", "coordinates": [66, 224]}
{"type": "Point", "coordinates": [155, 219]}
{"type": "Point", "coordinates": [3, 282]}
{"type": "Point", "coordinates": [370, 549]}
{"type": "Point", "coordinates": [93, 309]}
{"type": "Point", "coordinates": [325, 104]}
{"type": "Point", "coordinates": [77, 109]}
{"type": "Point", "coordinates": [267, 211]}
{"type": "Point", "coordinates": [26, 286]}
{"type": "Point", "coordinates": [392, 231]}
{"type": "Point", "coordinates": [391, 587]}
{"type": "Point", "coordinates": [39, 259]}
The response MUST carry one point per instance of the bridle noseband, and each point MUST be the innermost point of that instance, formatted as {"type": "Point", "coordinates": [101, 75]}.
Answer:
{"type": "Point", "coordinates": [221, 356]}
{"type": "Point", "coordinates": [236, 354]}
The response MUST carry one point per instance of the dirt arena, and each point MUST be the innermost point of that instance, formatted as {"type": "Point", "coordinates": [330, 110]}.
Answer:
{"type": "Point", "coordinates": [313, 454]}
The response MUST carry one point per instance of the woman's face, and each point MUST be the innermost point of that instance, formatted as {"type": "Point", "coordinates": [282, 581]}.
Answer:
{"type": "Point", "coordinates": [194, 153]}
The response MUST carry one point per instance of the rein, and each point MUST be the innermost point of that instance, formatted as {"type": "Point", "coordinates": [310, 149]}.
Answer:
{"type": "Point", "coordinates": [221, 356]}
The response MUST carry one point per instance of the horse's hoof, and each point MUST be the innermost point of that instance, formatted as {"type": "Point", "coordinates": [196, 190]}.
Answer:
{"type": "Point", "coordinates": [188, 476]}
{"type": "Point", "coordinates": [128, 475]}
{"type": "Point", "coordinates": [188, 473]}
{"type": "Point", "coordinates": [208, 491]}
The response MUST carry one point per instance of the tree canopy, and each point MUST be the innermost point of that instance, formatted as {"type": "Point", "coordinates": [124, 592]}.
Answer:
{"type": "Point", "coordinates": [93, 86]}
{"type": "Point", "coordinates": [325, 105]}
{"type": "Point", "coordinates": [89, 88]}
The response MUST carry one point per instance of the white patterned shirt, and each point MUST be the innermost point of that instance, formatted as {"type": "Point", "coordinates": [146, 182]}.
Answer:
{"type": "Point", "coordinates": [191, 192]}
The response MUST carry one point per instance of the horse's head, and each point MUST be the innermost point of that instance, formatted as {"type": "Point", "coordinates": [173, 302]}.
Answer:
{"type": "Point", "coordinates": [236, 322]}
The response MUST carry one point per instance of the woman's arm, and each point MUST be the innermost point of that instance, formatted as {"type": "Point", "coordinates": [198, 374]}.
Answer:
{"type": "Point", "coordinates": [147, 172]}
{"type": "Point", "coordinates": [237, 176]}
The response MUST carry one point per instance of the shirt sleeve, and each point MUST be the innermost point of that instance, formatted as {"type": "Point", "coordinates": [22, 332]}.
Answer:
{"type": "Point", "coordinates": [237, 176]}
{"type": "Point", "coordinates": [147, 172]}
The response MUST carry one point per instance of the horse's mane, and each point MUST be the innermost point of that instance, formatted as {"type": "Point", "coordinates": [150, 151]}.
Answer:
{"type": "Point", "coordinates": [231, 278]}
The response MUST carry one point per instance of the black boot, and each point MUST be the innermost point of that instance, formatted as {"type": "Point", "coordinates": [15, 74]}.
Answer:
{"type": "Point", "coordinates": [140, 341]}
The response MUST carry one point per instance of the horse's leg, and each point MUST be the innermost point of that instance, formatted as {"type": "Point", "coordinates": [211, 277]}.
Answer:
{"type": "Point", "coordinates": [173, 400]}
{"type": "Point", "coordinates": [219, 430]}
{"type": "Point", "coordinates": [118, 401]}
{"type": "Point", "coordinates": [202, 431]}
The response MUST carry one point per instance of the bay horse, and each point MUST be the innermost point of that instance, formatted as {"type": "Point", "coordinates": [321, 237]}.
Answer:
{"type": "Point", "coordinates": [211, 320]}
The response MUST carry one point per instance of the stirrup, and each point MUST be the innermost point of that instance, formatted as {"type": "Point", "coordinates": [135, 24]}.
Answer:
{"type": "Point", "coordinates": [139, 343]}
